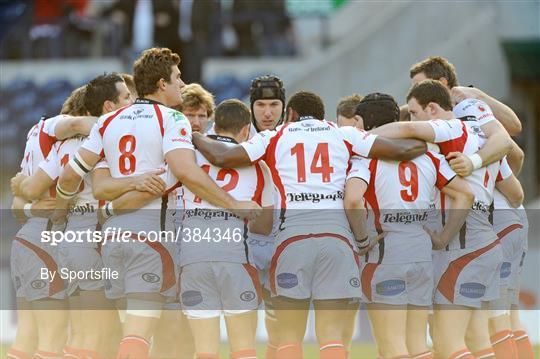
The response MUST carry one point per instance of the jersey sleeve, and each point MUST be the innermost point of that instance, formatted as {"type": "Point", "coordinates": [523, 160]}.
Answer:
{"type": "Point", "coordinates": [504, 171]}
{"type": "Point", "coordinates": [49, 126]}
{"type": "Point", "coordinates": [257, 145]}
{"type": "Point", "coordinates": [444, 173]}
{"type": "Point", "coordinates": [477, 108]}
{"type": "Point", "coordinates": [177, 132]}
{"type": "Point", "coordinates": [359, 169]}
{"type": "Point", "coordinates": [51, 165]}
{"type": "Point", "coordinates": [446, 130]}
{"type": "Point", "coordinates": [94, 141]}
{"type": "Point", "coordinates": [359, 141]}
{"type": "Point", "coordinates": [103, 164]}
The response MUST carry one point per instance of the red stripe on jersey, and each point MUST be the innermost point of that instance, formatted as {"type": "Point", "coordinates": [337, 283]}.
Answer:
{"type": "Point", "coordinates": [287, 242]}
{"type": "Point", "coordinates": [371, 196]}
{"type": "Point", "coordinates": [509, 229]}
{"type": "Point", "coordinates": [257, 196]}
{"type": "Point", "coordinates": [45, 141]}
{"type": "Point", "coordinates": [455, 144]}
{"type": "Point", "coordinates": [252, 272]}
{"type": "Point", "coordinates": [271, 162]}
{"type": "Point", "coordinates": [366, 278]}
{"type": "Point", "coordinates": [160, 119]}
{"type": "Point", "coordinates": [57, 283]}
{"type": "Point", "coordinates": [441, 180]}
{"type": "Point", "coordinates": [447, 283]}
{"type": "Point", "coordinates": [107, 122]}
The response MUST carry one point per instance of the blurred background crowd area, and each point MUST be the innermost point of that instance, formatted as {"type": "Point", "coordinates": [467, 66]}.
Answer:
{"type": "Point", "coordinates": [331, 47]}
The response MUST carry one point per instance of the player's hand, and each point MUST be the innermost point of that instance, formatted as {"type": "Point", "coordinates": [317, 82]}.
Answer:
{"type": "Point", "coordinates": [43, 208]}
{"type": "Point", "coordinates": [16, 183]}
{"type": "Point", "coordinates": [460, 93]}
{"type": "Point", "coordinates": [246, 209]}
{"type": "Point", "coordinates": [151, 182]}
{"type": "Point", "coordinates": [437, 240]}
{"type": "Point", "coordinates": [460, 163]}
{"type": "Point", "coordinates": [372, 242]}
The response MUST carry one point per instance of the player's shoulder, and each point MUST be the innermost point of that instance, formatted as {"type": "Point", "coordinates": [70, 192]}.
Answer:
{"type": "Point", "coordinates": [173, 114]}
{"type": "Point", "coordinates": [471, 107]}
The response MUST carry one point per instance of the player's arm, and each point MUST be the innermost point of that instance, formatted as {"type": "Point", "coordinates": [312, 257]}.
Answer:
{"type": "Point", "coordinates": [462, 199]}
{"type": "Point", "coordinates": [502, 112]}
{"type": "Point", "coordinates": [184, 167]}
{"type": "Point", "coordinates": [515, 158]}
{"type": "Point", "coordinates": [71, 126]}
{"type": "Point", "coordinates": [420, 130]}
{"type": "Point", "coordinates": [33, 187]}
{"type": "Point", "coordinates": [397, 149]}
{"type": "Point", "coordinates": [355, 209]}
{"type": "Point", "coordinates": [107, 188]}
{"type": "Point", "coordinates": [219, 154]}
{"type": "Point", "coordinates": [512, 190]}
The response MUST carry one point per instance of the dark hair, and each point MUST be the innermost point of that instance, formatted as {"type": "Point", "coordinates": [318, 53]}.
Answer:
{"type": "Point", "coordinates": [435, 67]}
{"type": "Point", "coordinates": [347, 105]}
{"type": "Point", "coordinates": [154, 64]}
{"type": "Point", "coordinates": [267, 87]}
{"type": "Point", "coordinates": [99, 90]}
{"type": "Point", "coordinates": [377, 109]}
{"type": "Point", "coordinates": [431, 91]}
{"type": "Point", "coordinates": [307, 104]}
{"type": "Point", "coordinates": [231, 116]}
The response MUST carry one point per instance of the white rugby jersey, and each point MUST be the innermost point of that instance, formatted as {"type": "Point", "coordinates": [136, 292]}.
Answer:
{"type": "Point", "coordinates": [309, 160]}
{"type": "Point", "coordinates": [39, 143]}
{"type": "Point", "coordinates": [467, 137]}
{"type": "Point", "coordinates": [398, 198]}
{"type": "Point", "coordinates": [474, 108]}
{"type": "Point", "coordinates": [83, 215]}
{"type": "Point", "coordinates": [134, 140]}
{"type": "Point", "coordinates": [222, 233]}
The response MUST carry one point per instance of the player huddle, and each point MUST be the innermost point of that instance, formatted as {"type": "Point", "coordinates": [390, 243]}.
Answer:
{"type": "Point", "coordinates": [418, 219]}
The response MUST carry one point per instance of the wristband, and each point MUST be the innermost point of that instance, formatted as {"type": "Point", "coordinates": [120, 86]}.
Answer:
{"type": "Point", "coordinates": [476, 161]}
{"type": "Point", "coordinates": [63, 194]}
{"type": "Point", "coordinates": [27, 210]}
{"type": "Point", "coordinates": [108, 210]}
{"type": "Point", "coordinates": [363, 243]}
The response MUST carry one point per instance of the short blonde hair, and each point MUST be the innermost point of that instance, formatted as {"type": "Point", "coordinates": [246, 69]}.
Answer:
{"type": "Point", "coordinates": [130, 83]}
{"type": "Point", "coordinates": [347, 105]}
{"type": "Point", "coordinates": [74, 104]}
{"type": "Point", "coordinates": [195, 96]}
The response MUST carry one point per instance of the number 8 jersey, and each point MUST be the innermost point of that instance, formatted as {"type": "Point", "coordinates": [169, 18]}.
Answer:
{"type": "Point", "coordinates": [309, 160]}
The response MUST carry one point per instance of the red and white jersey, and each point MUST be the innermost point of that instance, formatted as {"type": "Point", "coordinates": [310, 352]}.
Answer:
{"type": "Point", "coordinates": [468, 138]}
{"type": "Point", "coordinates": [39, 143]}
{"type": "Point", "coordinates": [134, 140]}
{"type": "Point", "coordinates": [474, 108]}
{"type": "Point", "coordinates": [309, 160]}
{"type": "Point", "coordinates": [398, 198]}
{"type": "Point", "coordinates": [83, 215]}
{"type": "Point", "coordinates": [222, 234]}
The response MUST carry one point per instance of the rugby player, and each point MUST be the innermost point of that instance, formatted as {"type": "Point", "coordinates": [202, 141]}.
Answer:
{"type": "Point", "coordinates": [217, 276]}
{"type": "Point", "coordinates": [40, 331]}
{"type": "Point", "coordinates": [465, 266]}
{"type": "Point", "coordinates": [331, 279]}
{"type": "Point", "coordinates": [133, 140]}
{"type": "Point", "coordinates": [104, 93]}
{"type": "Point", "coordinates": [346, 111]}
{"type": "Point", "coordinates": [397, 280]}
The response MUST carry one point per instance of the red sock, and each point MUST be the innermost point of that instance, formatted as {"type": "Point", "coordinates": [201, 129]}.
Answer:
{"type": "Point", "coordinates": [289, 351]}
{"type": "Point", "coordinates": [206, 356]}
{"type": "Point", "coordinates": [133, 347]}
{"type": "Point", "coordinates": [333, 350]}
{"type": "Point", "coordinates": [270, 351]}
{"type": "Point", "coordinates": [40, 354]}
{"type": "Point", "coordinates": [426, 355]}
{"type": "Point", "coordinates": [462, 354]}
{"type": "Point", "coordinates": [89, 354]}
{"type": "Point", "coordinates": [17, 354]}
{"type": "Point", "coordinates": [71, 353]}
{"type": "Point", "coordinates": [523, 345]}
{"type": "Point", "coordinates": [485, 354]}
{"type": "Point", "coordinates": [244, 354]}
{"type": "Point", "coordinates": [504, 345]}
